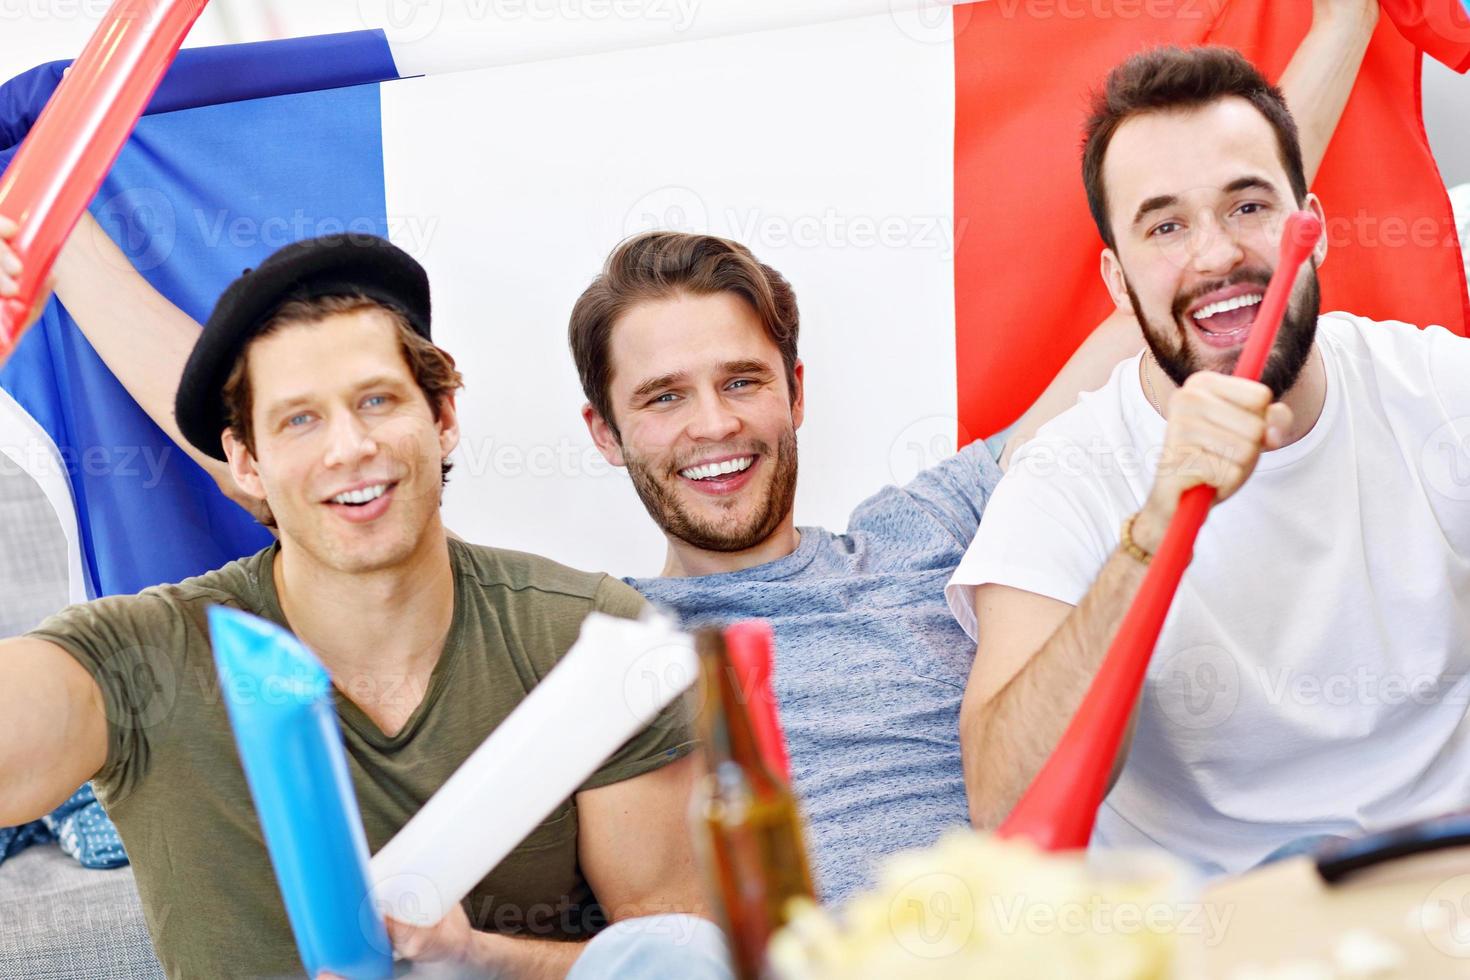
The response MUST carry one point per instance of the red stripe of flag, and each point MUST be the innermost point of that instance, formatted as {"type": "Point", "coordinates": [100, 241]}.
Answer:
{"type": "Point", "coordinates": [1027, 287]}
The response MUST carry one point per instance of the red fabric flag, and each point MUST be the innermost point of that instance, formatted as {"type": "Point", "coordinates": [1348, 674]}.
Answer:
{"type": "Point", "coordinates": [1027, 287]}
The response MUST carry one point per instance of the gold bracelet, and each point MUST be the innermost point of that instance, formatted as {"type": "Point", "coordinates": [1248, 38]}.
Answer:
{"type": "Point", "coordinates": [1131, 546]}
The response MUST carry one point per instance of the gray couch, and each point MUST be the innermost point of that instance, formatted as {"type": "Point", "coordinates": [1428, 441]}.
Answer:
{"type": "Point", "coordinates": [59, 921]}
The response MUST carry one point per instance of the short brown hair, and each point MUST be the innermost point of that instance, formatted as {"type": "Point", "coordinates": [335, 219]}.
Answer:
{"type": "Point", "coordinates": [433, 369]}
{"type": "Point", "coordinates": [660, 265]}
{"type": "Point", "coordinates": [1174, 79]}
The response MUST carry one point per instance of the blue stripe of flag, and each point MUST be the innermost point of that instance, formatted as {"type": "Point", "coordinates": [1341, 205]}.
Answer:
{"type": "Point", "coordinates": [246, 149]}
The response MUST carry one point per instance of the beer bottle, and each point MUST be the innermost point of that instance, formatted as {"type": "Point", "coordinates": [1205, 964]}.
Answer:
{"type": "Point", "coordinates": [746, 821]}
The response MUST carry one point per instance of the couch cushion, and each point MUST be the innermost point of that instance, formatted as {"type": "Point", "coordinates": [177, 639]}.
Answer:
{"type": "Point", "coordinates": [59, 921]}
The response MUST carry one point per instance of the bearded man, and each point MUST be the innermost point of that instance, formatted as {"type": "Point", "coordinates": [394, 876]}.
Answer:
{"type": "Point", "coordinates": [1312, 676]}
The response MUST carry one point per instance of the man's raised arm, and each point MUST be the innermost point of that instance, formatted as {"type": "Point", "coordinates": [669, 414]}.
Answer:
{"type": "Point", "coordinates": [1037, 656]}
{"type": "Point", "coordinates": [53, 729]}
{"type": "Point", "coordinates": [142, 337]}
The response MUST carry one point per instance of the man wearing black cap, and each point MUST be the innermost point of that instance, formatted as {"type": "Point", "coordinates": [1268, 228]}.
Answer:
{"type": "Point", "coordinates": [317, 382]}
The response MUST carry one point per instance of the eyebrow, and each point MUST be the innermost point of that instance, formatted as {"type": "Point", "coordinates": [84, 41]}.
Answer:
{"type": "Point", "coordinates": [742, 366]}
{"type": "Point", "coordinates": [1162, 201]}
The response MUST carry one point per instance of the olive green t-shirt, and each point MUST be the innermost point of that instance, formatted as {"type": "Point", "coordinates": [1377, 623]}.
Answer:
{"type": "Point", "coordinates": [174, 786]}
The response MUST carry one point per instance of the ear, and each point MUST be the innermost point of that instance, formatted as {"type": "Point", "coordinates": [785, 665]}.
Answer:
{"type": "Point", "coordinates": [798, 397]}
{"type": "Point", "coordinates": [603, 437]}
{"type": "Point", "coordinates": [448, 426]}
{"type": "Point", "coordinates": [242, 466]}
{"type": "Point", "coordinates": [1112, 272]}
{"type": "Point", "coordinates": [1319, 251]}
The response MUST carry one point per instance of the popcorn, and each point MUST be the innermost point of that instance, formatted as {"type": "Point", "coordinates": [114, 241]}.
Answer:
{"type": "Point", "coordinates": [979, 906]}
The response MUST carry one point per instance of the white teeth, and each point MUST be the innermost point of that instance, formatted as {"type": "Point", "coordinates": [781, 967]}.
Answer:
{"type": "Point", "coordinates": [1225, 306]}
{"type": "Point", "coordinates": [711, 470]}
{"type": "Point", "coordinates": [364, 496]}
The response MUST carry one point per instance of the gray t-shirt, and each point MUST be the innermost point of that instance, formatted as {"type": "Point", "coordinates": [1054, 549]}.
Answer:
{"type": "Point", "coordinates": [870, 664]}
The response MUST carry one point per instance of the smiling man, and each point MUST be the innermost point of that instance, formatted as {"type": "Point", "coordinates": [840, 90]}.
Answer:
{"type": "Point", "coordinates": [686, 346]}
{"type": "Point", "coordinates": [1313, 674]}
{"type": "Point", "coordinates": [317, 381]}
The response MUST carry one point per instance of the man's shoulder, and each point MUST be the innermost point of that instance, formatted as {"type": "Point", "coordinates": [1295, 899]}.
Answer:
{"type": "Point", "coordinates": [530, 576]}
{"type": "Point", "coordinates": [236, 584]}
{"type": "Point", "coordinates": [1382, 339]}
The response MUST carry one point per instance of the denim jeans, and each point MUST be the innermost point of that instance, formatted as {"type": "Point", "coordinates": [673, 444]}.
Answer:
{"type": "Point", "coordinates": [655, 947]}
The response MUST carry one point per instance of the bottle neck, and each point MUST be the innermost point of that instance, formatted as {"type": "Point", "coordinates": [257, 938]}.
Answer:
{"type": "Point", "coordinates": [724, 720]}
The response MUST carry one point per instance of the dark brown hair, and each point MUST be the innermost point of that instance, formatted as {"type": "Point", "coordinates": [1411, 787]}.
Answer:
{"type": "Point", "coordinates": [1174, 79]}
{"type": "Point", "coordinates": [659, 265]}
{"type": "Point", "coordinates": [433, 369]}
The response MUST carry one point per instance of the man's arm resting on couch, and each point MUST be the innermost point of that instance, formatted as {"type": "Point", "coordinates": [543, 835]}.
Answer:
{"type": "Point", "coordinates": [53, 729]}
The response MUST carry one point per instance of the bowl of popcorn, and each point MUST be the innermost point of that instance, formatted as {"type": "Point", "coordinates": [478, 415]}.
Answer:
{"type": "Point", "coordinates": [977, 906]}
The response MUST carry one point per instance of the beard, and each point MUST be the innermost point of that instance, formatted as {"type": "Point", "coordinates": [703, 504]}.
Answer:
{"type": "Point", "coordinates": [665, 507]}
{"type": "Point", "coordinates": [1288, 355]}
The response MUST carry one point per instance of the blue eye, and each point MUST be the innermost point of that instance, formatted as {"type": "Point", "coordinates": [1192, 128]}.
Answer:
{"type": "Point", "coordinates": [741, 383]}
{"type": "Point", "coordinates": [665, 398]}
{"type": "Point", "coordinates": [373, 401]}
{"type": "Point", "coordinates": [298, 420]}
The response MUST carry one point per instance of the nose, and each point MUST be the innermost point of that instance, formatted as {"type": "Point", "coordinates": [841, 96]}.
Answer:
{"type": "Point", "coordinates": [348, 441]}
{"type": "Point", "coordinates": [1213, 247]}
{"type": "Point", "coordinates": [713, 420]}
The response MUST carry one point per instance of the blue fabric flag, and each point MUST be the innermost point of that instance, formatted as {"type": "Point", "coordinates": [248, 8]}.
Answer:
{"type": "Point", "coordinates": [244, 149]}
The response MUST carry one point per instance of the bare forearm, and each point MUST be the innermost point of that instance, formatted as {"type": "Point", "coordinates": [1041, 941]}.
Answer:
{"type": "Point", "coordinates": [523, 958]}
{"type": "Point", "coordinates": [143, 338]}
{"type": "Point", "coordinates": [1022, 724]}
{"type": "Point", "coordinates": [1321, 74]}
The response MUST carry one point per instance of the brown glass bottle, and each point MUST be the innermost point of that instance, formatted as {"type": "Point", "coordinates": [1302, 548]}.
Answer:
{"type": "Point", "coordinates": [747, 824]}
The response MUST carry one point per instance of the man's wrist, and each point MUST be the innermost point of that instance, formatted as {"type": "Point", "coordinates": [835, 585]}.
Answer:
{"type": "Point", "coordinates": [486, 950]}
{"type": "Point", "coordinates": [495, 952]}
{"type": "Point", "coordinates": [1354, 18]}
{"type": "Point", "coordinates": [1147, 529]}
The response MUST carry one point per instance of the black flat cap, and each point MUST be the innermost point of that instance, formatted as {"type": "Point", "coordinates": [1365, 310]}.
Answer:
{"type": "Point", "coordinates": [336, 265]}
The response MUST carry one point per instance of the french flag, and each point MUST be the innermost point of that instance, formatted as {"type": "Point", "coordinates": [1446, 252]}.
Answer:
{"type": "Point", "coordinates": [912, 168]}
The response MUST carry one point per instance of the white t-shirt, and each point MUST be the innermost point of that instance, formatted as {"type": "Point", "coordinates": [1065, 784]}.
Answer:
{"type": "Point", "coordinates": [1313, 675]}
